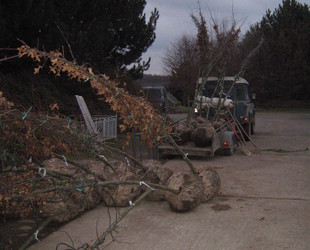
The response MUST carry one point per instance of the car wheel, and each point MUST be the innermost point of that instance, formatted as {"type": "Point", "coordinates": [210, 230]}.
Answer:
{"type": "Point", "coordinates": [252, 128]}
{"type": "Point", "coordinates": [228, 151]}
{"type": "Point", "coordinates": [247, 129]}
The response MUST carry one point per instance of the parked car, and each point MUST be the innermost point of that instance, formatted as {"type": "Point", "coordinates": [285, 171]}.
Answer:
{"type": "Point", "coordinates": [239, 93]}
{"type": "Point", "coordinates": [157, 96]}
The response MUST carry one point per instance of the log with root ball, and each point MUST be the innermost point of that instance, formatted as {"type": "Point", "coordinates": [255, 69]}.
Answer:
{"type": "Point", "coordinates": [181, 133]}
{"type": "Point", "coordinates": [202, 136]}
{"type": "Point", "coordinates": [211, 182]}
{"type": "Point", "coordinates": [195, 189]}
{"type": "Point", "coordinates": [191, 192]}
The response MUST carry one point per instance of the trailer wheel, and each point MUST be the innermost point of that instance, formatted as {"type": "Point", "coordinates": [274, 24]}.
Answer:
{"type": "Point", "coordinates": [229, 151]}
{"type": "Point", "coordinates": [252, 128]}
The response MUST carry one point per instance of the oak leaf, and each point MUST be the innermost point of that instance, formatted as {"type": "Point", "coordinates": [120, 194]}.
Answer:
{"type": "Point", "coordinates": [37, 70]}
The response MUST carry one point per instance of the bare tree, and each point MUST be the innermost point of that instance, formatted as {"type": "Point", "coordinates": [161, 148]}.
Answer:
{"type": "Point", "coordinates": [214, 50]}
{"type": "Point", "coordinates": [181, 62]}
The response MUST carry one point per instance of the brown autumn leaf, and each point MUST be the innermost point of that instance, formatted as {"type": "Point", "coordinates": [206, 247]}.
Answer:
{"type": "Point", "coordinates": [54, 107]}
{"type": "Point", "coordinates": [122, 128]}
{"type": "Point", "coordinates": [37, 70]}
{"type": "Point", "coordinates": [90, 70]}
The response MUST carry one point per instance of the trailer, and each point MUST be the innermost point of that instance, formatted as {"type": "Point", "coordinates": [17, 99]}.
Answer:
{"type": "Point", "coordinates": [223, 141]}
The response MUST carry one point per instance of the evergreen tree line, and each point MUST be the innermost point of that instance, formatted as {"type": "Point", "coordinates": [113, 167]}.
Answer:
{"type": "Point", "coordinates": [110, 36]}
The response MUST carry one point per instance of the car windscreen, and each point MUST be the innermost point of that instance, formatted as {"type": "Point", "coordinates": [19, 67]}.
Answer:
{"type": "Point", "coordinates": [242, 92]}
{"type": "Point", "coordinates": [153, 95]}
{"type": "Point", "coordinates": [210, 86]}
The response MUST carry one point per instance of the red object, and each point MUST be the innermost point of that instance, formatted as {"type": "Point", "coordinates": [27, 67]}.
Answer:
{"type": "Point", "coordinates": [200, 170]}
{"type": "Point", "coordinates": [232, 127]}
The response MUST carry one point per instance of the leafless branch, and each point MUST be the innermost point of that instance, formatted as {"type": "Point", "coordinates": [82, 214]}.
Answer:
{"type": "Point", "coordinates": [68, 44]}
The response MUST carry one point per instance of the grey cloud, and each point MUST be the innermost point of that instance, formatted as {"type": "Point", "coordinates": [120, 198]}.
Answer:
{"type": "Point", "coordinates": [175, 20]}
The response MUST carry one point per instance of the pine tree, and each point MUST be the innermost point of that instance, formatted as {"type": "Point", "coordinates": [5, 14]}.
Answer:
{"type": "Point", "coordinates": [110, 34]}
{"type": "Point", "coordinates": [281, 69]}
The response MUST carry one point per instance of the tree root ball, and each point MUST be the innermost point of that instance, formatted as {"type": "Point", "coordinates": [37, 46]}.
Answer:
{"type": "Point", "coordinates": [219, 123]}
{"type": "Point", "coordinates": [73, 206]}
{"type": "Point", "coordinates": [182, 134]}
{"type": "Point", "coordinates": [120, 195]}
{"type": "Point", "coordinates": [193, 124]}
{"type": "Point", "coordinates": [202, 136]}
{"type": "Point", "coordinates": [216, 125]}
{"type": "Point", "coordinates": [162, 174]}
{"type": "Point", "coordinates": [190, 195]}
{"type": "Point", "coordinates": [212, 183]}
{"type": "Point", "coordinates": [201, 120]}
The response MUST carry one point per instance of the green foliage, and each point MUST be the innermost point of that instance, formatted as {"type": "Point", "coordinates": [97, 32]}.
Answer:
{"type": "Point", "coordinates": [281, 69]}
{"type": "Point", "coordinates": [109, 34]}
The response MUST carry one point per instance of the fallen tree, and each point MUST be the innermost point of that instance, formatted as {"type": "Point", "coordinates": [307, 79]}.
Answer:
{"type": "Point", "coordinates": [64, 190]}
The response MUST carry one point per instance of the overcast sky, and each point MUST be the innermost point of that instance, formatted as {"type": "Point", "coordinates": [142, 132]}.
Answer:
{"type": "Point", "coordinates": [174, 20]}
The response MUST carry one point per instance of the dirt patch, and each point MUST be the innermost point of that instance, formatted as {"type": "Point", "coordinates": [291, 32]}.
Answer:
{"type": "Point", "coordinates": [222, 199]}
{"type": "Point", "coordinates": [221, 207]}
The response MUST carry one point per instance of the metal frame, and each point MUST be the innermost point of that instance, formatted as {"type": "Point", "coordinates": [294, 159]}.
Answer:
{"type": "Point", "coordinates": [106, 126]}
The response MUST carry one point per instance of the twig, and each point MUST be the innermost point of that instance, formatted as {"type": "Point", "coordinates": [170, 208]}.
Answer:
{"type": "Point", "coordinates": [118, 220]}
{"type": "Point", "coordinates": [106, 162]}
{"type": "Point", "coordinates": [127, 155]}
{"type": "Point", "coordinates": [246, 61]}
{"type": "Point", "coordinates": [34, 236]}
{"type": "Point", "coordinates": [12, 57]}
{"type": "Point", "coordinates": [211, 67]}
{"type": "Point", "coordinates": [84, 168]}
{"type": "Point", "coordinates": [90, 183]}
{"type": "Point", "coordinates": [68, 44]}
{"type": "Point", "coordinates": [65, 244]}
{"type": "Point", "coordinates": [184, 156]}
{"type": "Point", "coordinates": [128, 182]}
{"type": "Point", "coordinates": [238, 124]}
